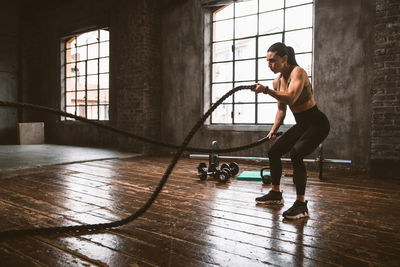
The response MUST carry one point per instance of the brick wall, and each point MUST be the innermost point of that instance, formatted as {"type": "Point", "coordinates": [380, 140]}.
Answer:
{"type": "Point", "coordinates": [385, 124]}
{"type": "Point", "coordinates": [137, 74]}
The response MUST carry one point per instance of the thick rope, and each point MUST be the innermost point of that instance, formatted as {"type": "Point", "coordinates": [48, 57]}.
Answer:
{"type": "Point", "coordinates": [149, 202]}
{"type": "Point", "coordinates": [128, 134]}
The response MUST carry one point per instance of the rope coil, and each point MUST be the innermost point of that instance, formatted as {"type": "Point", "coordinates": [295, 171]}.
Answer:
{"type": "Point", "coordinates": [180, 149]}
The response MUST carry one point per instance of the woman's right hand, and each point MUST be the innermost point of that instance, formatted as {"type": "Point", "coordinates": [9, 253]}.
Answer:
{"type": "Point", "coordinates": [272, 135]}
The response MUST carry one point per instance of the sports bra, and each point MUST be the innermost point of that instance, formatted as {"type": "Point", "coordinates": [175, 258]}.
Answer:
{"type": "Point", "coordinates": [305, 95]}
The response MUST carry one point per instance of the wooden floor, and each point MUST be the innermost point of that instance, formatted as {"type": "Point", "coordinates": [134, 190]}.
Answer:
{"type": "Point", "coordinates": [353, 221]}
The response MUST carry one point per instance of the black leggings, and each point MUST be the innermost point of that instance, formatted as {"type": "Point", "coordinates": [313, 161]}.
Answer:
{"type": "Point", "coordinates": [311, 128]}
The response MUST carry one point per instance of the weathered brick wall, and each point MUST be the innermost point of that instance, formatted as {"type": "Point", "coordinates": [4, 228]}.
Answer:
{"type": "Point", "coordinates": [136, 68]}
{"type": "Point", "coordinates": [385, 125]}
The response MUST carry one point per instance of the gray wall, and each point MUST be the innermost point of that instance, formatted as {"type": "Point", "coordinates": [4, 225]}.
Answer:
{"type": "Point", "coordinates": [342, 78]}
{"type": "Point", "coordinates": [9, 15]}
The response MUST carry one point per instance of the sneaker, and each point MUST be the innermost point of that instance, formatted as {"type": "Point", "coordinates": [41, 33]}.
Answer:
{"type": "Point", "coordinates": [297, 211]}
{"type": "Point", "coordinates": [272, 197]}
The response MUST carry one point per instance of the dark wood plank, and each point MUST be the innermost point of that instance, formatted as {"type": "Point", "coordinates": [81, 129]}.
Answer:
{"type": "Point", "coordinates": [195, 223]}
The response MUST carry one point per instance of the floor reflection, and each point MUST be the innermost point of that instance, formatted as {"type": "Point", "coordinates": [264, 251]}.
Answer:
{"type": "Point", "coordinates": [299, 225]}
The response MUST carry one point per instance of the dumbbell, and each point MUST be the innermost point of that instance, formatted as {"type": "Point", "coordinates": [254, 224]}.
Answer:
{"type": "Point", "coordinates": [232, 169]}
{"type": "Point", "coordinates": [221, 175]}
{"type": "Point", "coordinates": [202, 171]}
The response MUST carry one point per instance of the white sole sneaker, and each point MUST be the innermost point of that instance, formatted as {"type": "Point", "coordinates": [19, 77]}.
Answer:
{"type": "Point", "coordinates": [271, 202]}
{"type": "Point", "coordinates": [298, 216]}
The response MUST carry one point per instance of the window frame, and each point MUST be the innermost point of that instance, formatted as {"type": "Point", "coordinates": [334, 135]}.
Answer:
{"type": "Point", "coordinates": [64, 65]}
{"type": "Point", "coordinates": [208, 62]}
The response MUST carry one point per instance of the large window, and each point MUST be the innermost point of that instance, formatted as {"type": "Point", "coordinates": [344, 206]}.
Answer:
{"type": "Point", "coordinates": [241, 35]}
{"type": "Point", "coordinates": [85, 73]}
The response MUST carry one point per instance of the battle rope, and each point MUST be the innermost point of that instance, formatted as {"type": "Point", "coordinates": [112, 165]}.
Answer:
{"type": "Point", "coordinates": [126, 133]}
{"type": "Point", "coordinates": [149, 202]}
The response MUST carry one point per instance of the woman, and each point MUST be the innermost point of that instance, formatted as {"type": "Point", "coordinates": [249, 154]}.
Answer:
{"type": "Point", "coordinates": [292, 87]}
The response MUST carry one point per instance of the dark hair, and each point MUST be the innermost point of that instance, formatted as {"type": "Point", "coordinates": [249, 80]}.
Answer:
{"type": "Point", "coordinates": [282, 50]}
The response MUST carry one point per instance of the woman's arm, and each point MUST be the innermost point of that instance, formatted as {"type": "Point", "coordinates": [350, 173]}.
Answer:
{"type": "Point", "coordinates": [296, 85]}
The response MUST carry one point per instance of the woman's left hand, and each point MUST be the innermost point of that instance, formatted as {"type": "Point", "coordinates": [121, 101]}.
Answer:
{"type": "Point", "coordinates": [259, 88]}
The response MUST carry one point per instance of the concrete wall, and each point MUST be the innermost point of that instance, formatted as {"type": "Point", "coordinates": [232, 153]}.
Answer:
{"type": "Point", "coordinates": [342, 78]}
{"type": "Point", "coordinates": [9, 16]}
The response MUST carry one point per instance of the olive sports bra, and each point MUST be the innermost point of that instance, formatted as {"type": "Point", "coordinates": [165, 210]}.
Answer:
{"type": "Point", "coordinates": [305, 95]}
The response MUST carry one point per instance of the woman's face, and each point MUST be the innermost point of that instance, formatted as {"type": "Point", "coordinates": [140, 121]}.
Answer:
{"type": "Point", "coordinates": [276, 63]}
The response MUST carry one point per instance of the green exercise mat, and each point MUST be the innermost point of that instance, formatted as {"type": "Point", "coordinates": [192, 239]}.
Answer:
{"type": "Point", "coordinates": [252, 175]}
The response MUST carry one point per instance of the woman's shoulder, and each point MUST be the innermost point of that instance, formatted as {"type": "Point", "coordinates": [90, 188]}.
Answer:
{"type": "Point", "coordinates": [297, 70]}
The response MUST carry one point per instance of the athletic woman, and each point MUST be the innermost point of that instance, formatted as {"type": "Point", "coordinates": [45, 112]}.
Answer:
{"type": "Point", "coordinates": [292, 88]}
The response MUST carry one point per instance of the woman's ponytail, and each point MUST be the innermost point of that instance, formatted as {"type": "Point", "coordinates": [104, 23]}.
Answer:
{"type": "Point", "coordinates": [291, 56]}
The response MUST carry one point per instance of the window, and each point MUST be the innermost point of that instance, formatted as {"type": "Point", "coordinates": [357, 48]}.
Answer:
{"type": "Point", "coordinates": [85, 75]}
{"type": "Point", "coordinates": [240, 37]}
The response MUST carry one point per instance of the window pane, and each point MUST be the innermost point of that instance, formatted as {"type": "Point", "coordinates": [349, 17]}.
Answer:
{"type": "Point", "coordinates": [92, 37]}
{"type": "Point", "coordinates": [104, 81]}
{"type": "Point", "coordinates": [245, 96]}
{"type": "Point", "coordinates": [92, 97]}
{"type": "Point", "coordinates": [246, 26]}
{"type": "Point", "coordinates": [70, 70]}
{"type": "Point", "coordinates": [271, 22]}
{"type": "Point", "coordinates": [298, 17]}
{"type": "Point", "coordinates": [245, 113]}
{"type": "Point", "coordinates": [81, 39]}
{"type": "Point", "coordinates": [301, 41]}
{"type": "Point", "coordinates": [222, 51]}
{"type": "Point", "coordinates": [71, 110]}
{"type": "Point", "coordinates": [104, 49]}
{"type": "Point", "coordinates": [222, 114]}
{"type": "Point", "coordinates": [270, 5]}
{"type": "Point", "coordinates": [104, 110]}
{"type": "Point", "coordinates": [92, 81]}
{"type": "Point", "coordinates": [265, 42]}
{"type": "Point", "coordinates": [81, 83]}
{"type": "Point", "coordinates": [245, 70]}
{"type": "Point", "coordinates": [245, 48]}
{"type": "Point", "coordinates": [222, 72]}
{"type": "Point", "coordinates": [81, 111]}
{"type": "Point", "coordinates": [93, 51]}
{"type": "Point", "coordinates": [81, 68]}
{"type": "Point", "coordinates": [218, 90]}
{"type": "Point", "coordinates": [297, 2]}
{"type": "Point", "coordinates": [92, 112]}
{"type": "Point", "coordinates": [70, 99]}
{"type": "Point", "coordinates": [223, 30]}
{"type": "Point", "coordinates": [305, 61]}
{"type": "Point", "coordinates": [70, 84]}
{"type": "Point", "coordinates": [92, 66]}
{"type": "Point", "coordinates": [80, 97]}
{"type": "Point", "coordinates": [81, 53]}
{"type": "Point", "coordinates": [266, 113]}
{"type": "Point", "coordinates": [104, 35]}
{"type": "Point", "coordinates": [225, 12]}
{"type": "Point", "coordinates": [104, 97]}
{"type": "Point", "coordinates": [289, 119]}
{"type": "Point", "coordinates": [264, 72]}
{"type": "Point", "coordinates": [71, 55]}
{"type": "Point", "coordinates": [245, 8]}
{"type": "Point", "coordinates": [104, 65]}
